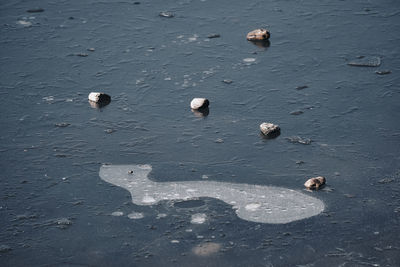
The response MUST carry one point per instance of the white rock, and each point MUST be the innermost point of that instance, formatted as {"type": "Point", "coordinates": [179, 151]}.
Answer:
{"type": "Point", "coordinates": [99, 97]}
{"type": "Point", "coordinates": [199, 103]}
{"type": "Point", "coordinates": [269, 129]}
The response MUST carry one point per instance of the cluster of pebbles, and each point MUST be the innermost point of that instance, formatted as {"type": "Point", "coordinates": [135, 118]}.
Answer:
{"type": "Point", "coordinates": [199, 106]}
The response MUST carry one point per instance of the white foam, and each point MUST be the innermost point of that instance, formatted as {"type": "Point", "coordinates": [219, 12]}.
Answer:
{"type": "Point", "coordinates": [263, 204]}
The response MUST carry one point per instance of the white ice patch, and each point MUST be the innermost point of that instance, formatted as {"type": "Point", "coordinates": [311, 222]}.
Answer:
{"type": "Point", "coordinates": [193, 38]}
{"type": "Point", "coordinates": [161, 215]}
{"type": "Point", "coordinates": [24, 23]}
{"type": "Point", "coordinates": [263, 204]}
{"type": "Point", "coordinates": [249, 60]}
{"type": "Point", "coordinates": [135, 215]}
{"type": "Point", "coordinates": [148, 199]}
{"type": "Point", "coordinates": [198, 218]}
{"type": "Point", "coordinates": [252, 206]}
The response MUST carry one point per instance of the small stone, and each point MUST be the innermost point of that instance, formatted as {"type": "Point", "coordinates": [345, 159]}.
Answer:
{"type": "Point", "coordinates": [63, 221]}
{"type": "Point", "coordinates": [109, 131]}
{"type": "Point", "coordinates": [35, 10]}
{"type": "Point", "coordinates": [299, 140]}
{"type": "Point", "coordinates": [296, 112]}
{"type": "Point", "coordinates": [227, 81]}
{"type": "Point", "coordinates": [315, 183]}
{"type": "Point", "coordinates": [99, 97]}
{"type": "Point", "coordinates": [301, 87]}
{"type": "Point", "coordinates": [62, 124]}
{"type": "Point", "coordinates": [166, 14]}
{"type": "Point", "coordinates": [258, 35]}
{"type": "Point", "coordinates": [211, 36]}
{"type": "Point", "coordinates": [198, 103]}
{"type": "Point", "coordinates": [386, 180]}
{"type": "Point", "coordinates": [383, 72]}
{"type": "Point", "coordinates": [270, 129]}
{"type": "Point", "coordinates": [4, 248]}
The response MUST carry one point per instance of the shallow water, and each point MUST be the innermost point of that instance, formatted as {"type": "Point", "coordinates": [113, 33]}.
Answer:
{"type": "Point", "coordinates": [56, 210]}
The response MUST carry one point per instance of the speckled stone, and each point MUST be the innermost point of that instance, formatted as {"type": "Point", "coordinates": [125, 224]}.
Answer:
{"type": "Point", "coordinates": [315, 183]}
{"type": "Point", "coordinates": [270, 129]}
{"type": "Point", "coordinates": [258, 35]}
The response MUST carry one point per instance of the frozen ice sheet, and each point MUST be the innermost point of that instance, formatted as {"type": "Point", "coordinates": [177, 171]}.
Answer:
{"type": "Point", "coordinates": [256, 203]}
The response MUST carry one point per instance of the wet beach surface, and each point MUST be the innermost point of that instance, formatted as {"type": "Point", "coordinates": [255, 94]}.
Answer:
{"type": "Point", "coordinates": [337, 119]}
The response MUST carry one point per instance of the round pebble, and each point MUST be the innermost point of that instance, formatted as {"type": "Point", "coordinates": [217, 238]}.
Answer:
{"type": "Point", "coordinates": [315, 183]}
{"type": "Point", "coordinates": [269, 129]}
{"type": "Point", "coordinates": [258, 35]}
{"type": "Point", "coordinates": [198, 103]}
